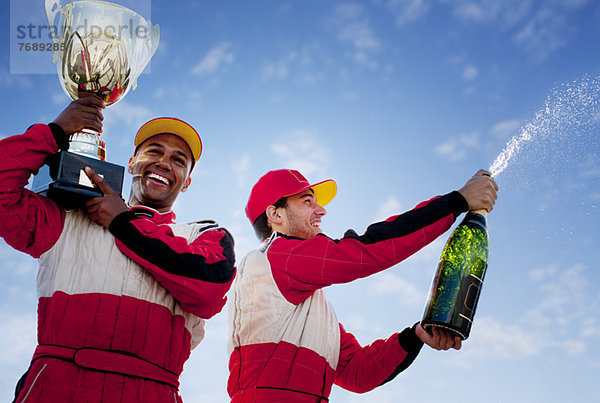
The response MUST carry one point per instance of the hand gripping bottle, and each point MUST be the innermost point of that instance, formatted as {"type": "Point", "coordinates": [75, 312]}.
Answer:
{"type": "Point", "coordinates": [456, 286]}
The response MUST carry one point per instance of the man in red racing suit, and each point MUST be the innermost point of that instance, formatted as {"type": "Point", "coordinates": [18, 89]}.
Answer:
{"type": "Point", "coordinates": [123, 290]}
{"type": "Point", "coordinates": [285, 341]}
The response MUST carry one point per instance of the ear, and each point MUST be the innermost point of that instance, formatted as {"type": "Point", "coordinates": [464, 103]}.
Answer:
{"type": "Point", "coordinates": [130, 165]}
{"type": "Point", "coordinates": [273, 215]}
{"type": "Point", "coordinates": [186, 184]}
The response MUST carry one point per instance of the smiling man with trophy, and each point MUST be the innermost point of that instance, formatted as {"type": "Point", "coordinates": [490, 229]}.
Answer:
{"type": "Point", "coordinates": [123, 291]}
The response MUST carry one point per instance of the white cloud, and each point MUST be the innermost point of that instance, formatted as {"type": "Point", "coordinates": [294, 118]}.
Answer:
{"type": "Point", "coordinates": [60, 98]}
{"type": "Point", "coordinates": [240, 168]}
{"type": "Point", "coordinates": [279, 69]}
{"type": "Point", "coordinates": [563, 298]}
{"type": "Point", "coordinates": [302, 65]}
{"type": "Point", "coordinates": [589, 167]}
{"type": "Point", "coordinates": [17, 342]}
{"type": "Point", "coordinates": [128, 113]}
{"type": "Point", "coordinates": [8, 80]}
{"type": "Point", "coordinates": [470, 73]}
{"type": "Point", "coordinates": [573, 347]}
{"type": "Point", "coordinates": [390, 284]}
{"type": "Point", "coordinates": [357, 323]}
{"type": "Point", "coordinates": [456, 148]}
{"type": "Point", "coordinates": [543, 33]}
{"type": "Point", "coordinates": [467, 71]}
{"type": "Point", "coordinates": [407, 11]}
{"type": "Point", "coordinates": [538, 275]}
{"type": "Point", "coordinates": [590, 328]}
{"type": "Point", "coordinates": [301, 151]}
{"type": "Point", "coordinates": [214, 59]}
{"type": "Point", "coordinates": [354, 29]}
{"type": "Point", "coordinates": [504, 130]}
{"type": "Point", "coordinates": [388, 208]}
{"type": "Point", "coordinates": [125, 119]}
{"type": "Point", "coordinates": [539, 28]}
{"type": "Point", "coordinates": [506, 13]}
{"type": "Point", "coordinates": [17, 336]}
{"type": "Point", "coordinates": [492, 339]}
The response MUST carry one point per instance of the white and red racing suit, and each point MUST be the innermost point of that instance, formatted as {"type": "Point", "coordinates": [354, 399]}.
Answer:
{"type": "Point", "coordinates": [119, 310]}
{"type": "Point", "coordinates": [285, 341]}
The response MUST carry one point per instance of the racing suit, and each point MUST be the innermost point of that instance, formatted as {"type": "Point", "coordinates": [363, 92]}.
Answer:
{"type": "Point", "coordinates": [119, 310]}
{"type": "Point", "coordinates": [285, 341]}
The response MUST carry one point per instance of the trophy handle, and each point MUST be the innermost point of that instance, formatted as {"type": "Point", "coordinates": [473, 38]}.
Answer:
{"type": "Point", "coordinates": [53, 8]}
{"type": "Point", "coordinates": [85, 56]}
{"type": "Point", "coordinates": [154, 40]}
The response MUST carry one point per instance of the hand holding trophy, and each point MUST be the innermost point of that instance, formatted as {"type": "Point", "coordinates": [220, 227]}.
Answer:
{"type": "Point", "coordinates": [104, 47]}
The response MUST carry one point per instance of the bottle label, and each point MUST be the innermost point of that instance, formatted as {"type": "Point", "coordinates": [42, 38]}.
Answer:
{"type": "Point", "coordinates": [468, 296]}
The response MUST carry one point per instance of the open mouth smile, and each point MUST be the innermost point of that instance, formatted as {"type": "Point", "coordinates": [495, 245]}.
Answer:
{"type": "Point", "coordinates": [159, 178]}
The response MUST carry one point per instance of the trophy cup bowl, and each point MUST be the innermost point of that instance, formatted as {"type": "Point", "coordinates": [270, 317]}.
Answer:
{"type": "Point", "coordinates": [102, 49]}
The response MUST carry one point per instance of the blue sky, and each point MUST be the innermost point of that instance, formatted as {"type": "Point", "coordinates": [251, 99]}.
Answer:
{"type": "Point", "coordinates": [398, 101]}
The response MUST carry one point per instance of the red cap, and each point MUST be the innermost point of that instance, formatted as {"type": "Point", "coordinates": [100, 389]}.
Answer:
{"type": "Point", "coordinates": [274, 185]}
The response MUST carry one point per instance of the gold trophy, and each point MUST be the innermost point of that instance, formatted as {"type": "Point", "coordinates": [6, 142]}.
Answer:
{"type": "Point", "coordinates": [103, 48]}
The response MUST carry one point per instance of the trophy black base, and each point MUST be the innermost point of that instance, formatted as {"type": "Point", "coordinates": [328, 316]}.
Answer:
{"type": "Point", "coordinates": [63, 179]}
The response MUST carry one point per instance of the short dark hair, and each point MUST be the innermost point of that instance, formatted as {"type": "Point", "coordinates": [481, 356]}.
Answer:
{"type": "Point", "coordinates": [261, 226]}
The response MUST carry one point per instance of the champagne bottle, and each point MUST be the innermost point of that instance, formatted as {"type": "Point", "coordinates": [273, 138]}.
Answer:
{"type": "Point", "coordinates": [457, 284]}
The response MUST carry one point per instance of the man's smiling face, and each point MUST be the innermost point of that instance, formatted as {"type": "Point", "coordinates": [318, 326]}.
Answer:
{"type": "Point", "coordinates": [302, 215]}
{"type": "Point", "coordinates": [161, 168]}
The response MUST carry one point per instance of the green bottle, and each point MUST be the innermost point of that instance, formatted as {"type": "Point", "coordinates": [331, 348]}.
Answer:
{"type": "Point", "coordinates": [456, 286]}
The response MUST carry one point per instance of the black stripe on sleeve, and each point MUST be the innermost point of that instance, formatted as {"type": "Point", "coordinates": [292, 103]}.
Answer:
{"type": "Point", "coordinates": [412, 345]}
{"type": "Point", "coordinates": [413, 220]}
{"type": "Point", "coordinates": [161, 255]}
{"type": "Point", "coordinates": [61, 138]}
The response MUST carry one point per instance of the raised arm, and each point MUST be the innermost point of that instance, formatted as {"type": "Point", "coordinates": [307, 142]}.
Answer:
{"type": "Point", "coordinates": [29, 222]}
{"type": "Point", "coordinates": [302, 266]}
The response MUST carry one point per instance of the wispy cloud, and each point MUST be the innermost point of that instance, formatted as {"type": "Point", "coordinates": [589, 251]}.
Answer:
{"type": "Point", "coordinates": [240, 169]}
{"type": "Point", "coordinates": [301, 151]}
{"type": "Point", "coordinates": [470, 73]}
{"type": "Point", "coordinates": [466, 70]}
{"type": "Point", "coordinates": [391, 206]}
{"type": "Point", "coordinates": [300, 65]}
{"type": "Point", "coordinates": [457, 148]}
{"type": "Point", "coordinates": [278, 69]}
{"type": "Point", "coordinates": [563, 298]}
{"type": "Point", "coordinates": [129, 113]}
{"type": "Point", "coordinates": [407, 11]}
{"type": "Point", "coordinates": [539, 28]}
{"type": "Point", "coordinates": [125, 119]}
{"type": "Point", "coordinates": [9, 80]}
{"type": "Point", "coordinates": [390, 284]}
{"type": "Point", "coordinates": [17, 341]}
{"type": "Point", "coordinates": [546, 31]}
{"type": "Point", "coordinates": [504, 13]}
{"type": "Point", "coordinates": [214, 59]}
{"type": "Point", "coordinates": [491, 338]}
{"type": "Point", "coordinates": [354, 30]}
{"type": "Point", "coordinates": [505, 129]}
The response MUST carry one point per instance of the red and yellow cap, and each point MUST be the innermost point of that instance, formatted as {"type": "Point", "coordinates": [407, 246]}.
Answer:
{"type": "Point", "coordinates": [173, 126]}
{"type": "Point", "coordinates": [274, 185]}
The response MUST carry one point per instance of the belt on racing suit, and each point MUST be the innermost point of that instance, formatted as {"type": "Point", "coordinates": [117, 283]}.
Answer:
{"type": "Point", "coordinates": [117, 362]}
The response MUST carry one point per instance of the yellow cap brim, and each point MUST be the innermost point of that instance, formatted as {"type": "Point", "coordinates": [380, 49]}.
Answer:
{"type": "Point", "coordinates": [172, 126]}
{"type": "Point", "coordinates": [324, 191]}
